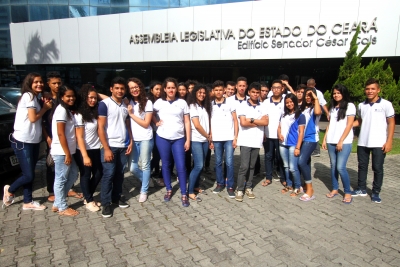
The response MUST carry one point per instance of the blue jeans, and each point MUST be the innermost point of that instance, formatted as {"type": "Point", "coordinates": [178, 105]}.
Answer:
{"type": "Point", "coordinates": [307, 149]}
{"type": "Point", "coordinates": [219, 148]}
{"type": "Point", "coordinates": [66, 176]}
{"type": "Point", "coordinates": [378, 159]}
{"type": "Point", "coordinates": [290, 163]}
{"type": "Point", "coordinates": [177, 147]}
{"type": "Point", "coordinates": [338, 166]}
{"type": "Point", "coordinates": [142, 150]}
{"type": "Point", "coordinates": [199, 152]}
{"type": "Point", "coordinates": [27, 155]}
{"type": "Point", "coordinates": [272, 155]}
{"type": "Point", "coordinates": [113, 176]}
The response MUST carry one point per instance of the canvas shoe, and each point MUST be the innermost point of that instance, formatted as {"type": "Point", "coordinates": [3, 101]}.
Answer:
{"type": "Point", "coordinates": [239, 196]}
{"type": "Point", "coordinates": [249, 193]}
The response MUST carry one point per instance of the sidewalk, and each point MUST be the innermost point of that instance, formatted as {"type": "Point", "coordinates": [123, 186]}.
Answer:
{"type": "Point", "coordinates": [271, 230]}
{"type": "Point", "coordinates": [324, 124]}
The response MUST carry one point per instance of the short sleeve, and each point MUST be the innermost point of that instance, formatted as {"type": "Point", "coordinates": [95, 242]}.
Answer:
{"type": "Point", "coordinates": [240, 111]}
{"type": "Point", "coordinates": [29, 100]}
{"type": "Point", "coordinates": [231, 106]}
{"type": "Point", "coordinates": [185, 108]}
{"type": "Point", "coordinates": [389, 110]}
{"type": "Point", "coordinates": [194, 113]}
{"type": "Point", "coordinates": [351, 110]}
{"type": "Point", "coordinates": [149, 106]}
{"type": "Point", "coordinates": [264, 108]}
{"type": "Point", "coordinates": [302, 119]}
{"type": "Point", "coordinates": [321, 98]}
{"type": "Point", "coordinates": [157, 105]}
{"type": "Point", "coordinates": [61, 115]}
{"type": "Point", "coordinates": [79, 120]}
{"type": "Point", "coordinates": [102, 109]}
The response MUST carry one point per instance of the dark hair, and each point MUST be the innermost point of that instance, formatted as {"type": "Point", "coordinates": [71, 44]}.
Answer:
{"type": "Point", "coordinates": [343, 103]}
{"type": "Point", "coordinates": [277, 81]}
{"type": "Point", "coordinates": [283, 77]}
{"type": "Point", "coordinates": [27, 83]}
{"type": "Point", "coordinates": [164, 85]}
{"type": "Point", "coordinates": [241, 79]}
{"type": "Point", "coordinates": [61, 92]}
{"type": "Point", "coordinates": [301, 86]}
{"type": "Point", "coordinates": [255, 85]}
{"type": "Point", "coordinates": [372, 81]}
{"type": "Point", "coordinates": [118, 80]}
{"type": "Point", "coordinates": [304, 102]}
{"type": "Point", "coordinates": [217, 83]}
{"type": "Point", "coordinates": [297, 110]}
{"type": "Point", "coordinates": [88, 113]}
{"type": "Point", "coordinates": [263, 84]}
{"type": "Point", "coordinates": [206, 103]}
{"type": "Point", "coordinates": [187, 92]}
{"type": "Point", "coordinates": [231, 83]}
{"type": "Point", "coordinates": [142, 95]}
{"type": "Point", "coordinates": [189, 82]}
{"type": "Point", "coordinates": [52, 75]}
{"type": "Point", "coordinates": [150, 95]}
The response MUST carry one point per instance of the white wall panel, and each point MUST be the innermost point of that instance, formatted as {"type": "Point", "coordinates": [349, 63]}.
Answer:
{"type": "Point", "coordinates": [109, 38]}
{"type": "Point", "coordinates": [89, 39]}
{"type": "Point", "coordinates": [178, 22]}
{"type": "Point", "coordinates": [34, 43]}
{"type": "Point", "coordinates": [18, 43]}
{"type": "Point", "coordinates": [51, 41]}
{"type": "Point", "coordinates": [130, 24]}
{"type": "Point", "coordinates": [155, 51]}
{"type": "Point", "coordinates": [69, 40]}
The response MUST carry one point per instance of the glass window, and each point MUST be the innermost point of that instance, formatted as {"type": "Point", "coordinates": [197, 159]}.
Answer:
{"type": "Point", "coordinates": [38, 13]}
{"type": "Point", "coordinates": [119, 2]}
{"type": "Point", "coordinates": [4, 17]}
{"type": "Point", "coordinates": [78, 2]}
{"type": "Point", "coordinates": [184, 3]}
{"type": "Point", "coordinates": [100, 2]}
{"type": "Point", "coordinates": [58, 12]}
{"type": "Point", "coordinates": [19, 2]}
{"type": "Point", "coordinates": [198, 2]}
{"type": "Point", "coordinates": [138, 2]}
{"type": "Point", "coordinates": [5, 44]}
{"type": "Point", "coordinates": [57, 2]}
{"type": "Point", "coordinates": [78, 11]}
{"type": "Point", "coordinates": [138, 8]}
{"type": "Point", "coordinates": [118, 10]}
{"type": "Point", "coordinates": [19, 14]}
{"type": "Point", "coordinates": [164, 3]}
{"type": "Point", "coordinates": [38, 1]}
{"type": "Point", "coordinates": [98, 11]}
{"type": "Point", "coordinates": [4, 2]}
{"type": "Point", "coordinates": [174, 3]}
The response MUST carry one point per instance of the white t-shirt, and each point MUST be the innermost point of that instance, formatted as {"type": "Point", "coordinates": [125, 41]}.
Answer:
{"type": "Point", "coordinates": [251, 136]}
{"type": "Point", "coordinates": [320, 97]}
{"type": "Point", "coordinates": [336, 128]}
{"type": "Point", "coordinates": [115, 127]}
{"type": "Point", "coordinates": [199, 112]}
{"type": "Point", "coordinates": [91, 135]}
{"type": "Point", "coordinates": [139, 133]}
{"type": "Point", "coordinates": [61, 115]}
{"type": "Point", "coordinates": [274, 111]}
{"type": "Point", "coordinates": [373, 132]}
{"type": "Point", "coordinates": [234, 102]}
{"type": "Point", "coordinates": [172, 114]}
{"type": "Point", "coordinates": [290, 128]}
{"type": "Point", "coordinates": [222, 122]}
{"type": "Point", "coordinates": [24, 130]}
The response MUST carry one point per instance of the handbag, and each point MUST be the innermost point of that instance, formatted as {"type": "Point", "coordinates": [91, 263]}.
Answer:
{"type": "Point", "coordinates": [49, 160]}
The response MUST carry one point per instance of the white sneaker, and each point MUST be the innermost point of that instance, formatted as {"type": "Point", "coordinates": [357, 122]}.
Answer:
{"type": "Point", "coordinates": [151, 183]}
{"type": "Point", "coordinates": [8, 198]}
{"type": "Point", "coordinates": [142, 197]}
{"type": "Point", "coordinates": [33, 206]}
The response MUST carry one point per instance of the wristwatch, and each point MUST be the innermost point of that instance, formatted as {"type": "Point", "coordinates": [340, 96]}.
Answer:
{"type": "Point", "coordinates": [251, 120]}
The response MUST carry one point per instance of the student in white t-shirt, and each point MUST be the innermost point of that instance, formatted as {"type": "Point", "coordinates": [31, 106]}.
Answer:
{"type": "Point", "coordinates": [173, 135]}
{"type": "Point", "coordinates": [63, 148]}
{"type": "Point", "coordinates": [376, 118]}
{"type": "Point", "coordinates": [339, 138]}
{"type": "Point", "coordinates": [140, 111]}
{"type": "Point", "coordinates": [25, 140]}
{"type": "Point", "coordinates": [291, 134]}
{"type": "Point", "coordinates": [87, 155]}
{"type": "Point", "coordinates": [200, 112]}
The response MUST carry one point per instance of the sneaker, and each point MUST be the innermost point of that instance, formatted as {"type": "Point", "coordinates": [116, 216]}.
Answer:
{"type": "Point", "coordinates": [239, 196]}
{"type": "Point", "coordinates": [376, 198]}
{"type": "Point", "coordinates": [142, 197]}
{"type": "Point", "coordinates": [34, 205]}
{"type": "Point", "coordinates": [359, 192]}
{"type": "Point", "coordinates": [122, 203]}
{"type": "Point", "coordinates": [107, 213]}
{"type": "Point", "coordinates": [151, 183]}
{"type": "Point", "coordinates": [92, 206]}
{"type": "Point", "coordinates": [249, 193]}
{"type": "Point", "coordinates": [218, 189]}
{"type": "Point", "coordinates": [315, 154]}
{"type": "Point", "coordinates": [277, 176]}
{"type": "Point", "coordinates": [231, 193]}
{"type": "Point", "coordinates": [8, 198]}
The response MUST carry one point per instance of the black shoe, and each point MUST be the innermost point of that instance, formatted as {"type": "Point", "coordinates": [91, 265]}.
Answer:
{"type": "Point", "coordinates": [231, 193]}
{"type": "Point", "coordinates": [122, 203]}
{"type": "Point", "coordinates": [218, 189]}
{"type": "Point", "coordinates": [106, 213]}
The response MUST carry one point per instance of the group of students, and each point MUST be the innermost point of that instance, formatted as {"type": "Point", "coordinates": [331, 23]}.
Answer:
{"type": "Point", "coordinates": [177, 122]}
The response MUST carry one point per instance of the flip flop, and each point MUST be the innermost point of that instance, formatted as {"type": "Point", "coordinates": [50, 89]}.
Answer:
{"type": "Point", "coordinates": [266, 182]}
{"type": "Point", "coordinates": [345, 201]}
{"type": "Point", "coordinates": [75, 194]}
{"type": "Point", "coordinates": [196, 198]}
{"type": "Point", "coordinates": [330, 195]}
{"type": "Point", "coordinates": [306, 198]}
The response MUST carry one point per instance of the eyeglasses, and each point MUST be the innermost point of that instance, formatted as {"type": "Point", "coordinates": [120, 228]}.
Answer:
{"type": "Point", "coordinates": [276, 88]}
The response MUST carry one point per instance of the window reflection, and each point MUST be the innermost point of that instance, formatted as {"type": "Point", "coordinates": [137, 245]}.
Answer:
{"type": "Point", "coordinates": [4, 17]}
{"type": "Point", "coordinates": [78, 2]}
{"type": "Point", "coordinates": [100, 2]}
{"type": "Point", "coordinates": [37, 13]}
{"type": "Point", "coordinates": [117, 10]}
{"type": "Point", "coordinates": [19, 14]}
{"type": "Point", "coordinates": [38, 1]}
{"type": "Point", "coordinates": [56, 2]}
{"type": "Point", "coordinates": [119, 2]}
{"type": "Point", "coordinates": [58, 12]}
{"type": "Point", "coordinates": [5, 44]}
{"type": "Point", "coordinates": [164, 3]}
{"type": "Point", "coordinates": [135, 3]}
{"type": "Point", "coordinates": [19, 1]}
{"type": "Point", "coordinates": [138, 8]}
{"type": "Point", "coordinates": [3, 2]}
{"type": "Point", "coordinates": [78, 11]}
{"type": "Point", "coordinates": [98, 11]}
{"type": "Point", "coordinates": [198, 2]}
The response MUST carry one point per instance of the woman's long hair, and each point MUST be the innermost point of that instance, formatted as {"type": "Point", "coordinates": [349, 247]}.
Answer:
{"type": "Point", "coordinates": [164, 85]}
{"type": "Point", "coordinates": [61, 92]}
{"type": "Point", "coordinates": [206, 103]}
{"type": "Point", "coordinates": [142, 95]}
{"type": "Point", "coordinates": [88, 113]}
{"type": "Point", "coordinates": [296, 108]}
{"type": "Point", "coordinates": [187, 92]}
{"type": "Point", "coordinates": [150, 95]}
{"type": "Point", "coordinates": [27, 84]}
{"type": "Point", "coordinates": [304, 103]}
{"type": "Point", "coordinates": [343, 103]}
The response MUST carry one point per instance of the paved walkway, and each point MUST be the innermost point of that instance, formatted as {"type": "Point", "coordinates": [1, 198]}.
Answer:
{"type": "Point", "coordinates": [271, 230]}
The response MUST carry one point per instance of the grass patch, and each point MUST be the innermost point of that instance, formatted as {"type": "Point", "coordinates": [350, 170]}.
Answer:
{"type": "Point", "coordinates": [395, 148]}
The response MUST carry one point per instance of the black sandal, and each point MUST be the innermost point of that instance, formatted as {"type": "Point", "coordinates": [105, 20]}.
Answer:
{"type": "Point", "coordinates": [168, 196]}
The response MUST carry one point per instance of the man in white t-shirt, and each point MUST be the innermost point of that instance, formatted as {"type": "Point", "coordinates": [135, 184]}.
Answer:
{"type": "Point", "coordinates": [376, 118]}
{"type": "Point", "coordinates": [240, 96]}
{"type": "Point", "coordinates": [253, 117]}
{"type": "Point", "coordinates": [230, 89]}
{"type": "Point", "coordinates": [113, 128]}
